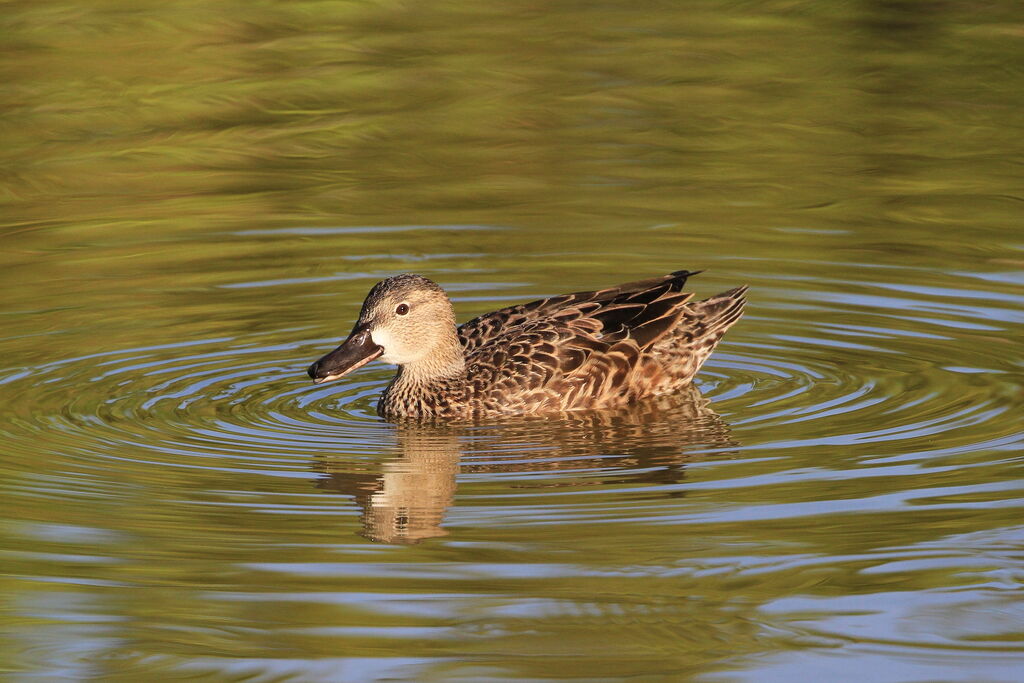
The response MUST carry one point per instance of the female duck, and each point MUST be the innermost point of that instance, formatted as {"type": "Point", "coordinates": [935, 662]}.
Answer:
{"type": "Point", "coordinates": [586, 350]}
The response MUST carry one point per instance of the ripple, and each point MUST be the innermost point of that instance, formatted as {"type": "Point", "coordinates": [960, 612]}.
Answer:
{"type": "Point", "coordinates": [878, 375]}
{"type": "Point", "coordinates": [212, 403]}
{"type": "Point", "coordinates": [860, 369]}
{"type": "Point", "coordinates": [832, 440]}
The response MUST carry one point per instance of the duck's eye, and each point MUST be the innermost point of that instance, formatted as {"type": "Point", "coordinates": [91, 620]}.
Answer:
{"type": "Point", "coordinates": [402, 309]}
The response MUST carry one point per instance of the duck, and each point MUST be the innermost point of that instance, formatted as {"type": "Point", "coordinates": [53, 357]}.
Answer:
{"type": "Point", "coordinates": [591, 350]}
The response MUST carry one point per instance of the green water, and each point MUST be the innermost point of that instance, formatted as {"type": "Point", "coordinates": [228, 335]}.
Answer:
{"type": "Point", "coordinates": [196, 196]}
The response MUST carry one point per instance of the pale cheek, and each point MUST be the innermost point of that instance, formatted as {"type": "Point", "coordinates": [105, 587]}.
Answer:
{"type": "Point", "coordinates": [382, 338]}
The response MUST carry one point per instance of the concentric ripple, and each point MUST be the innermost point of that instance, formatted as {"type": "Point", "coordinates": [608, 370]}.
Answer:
{"type": "Point", "coordinates": [844, 434]}
{"type": "Point", "coordinates": [877, 366]}
{"type": "Point", "coordinates": [212, 403]}
{"type": "Point", "coordinates": [909, 367]}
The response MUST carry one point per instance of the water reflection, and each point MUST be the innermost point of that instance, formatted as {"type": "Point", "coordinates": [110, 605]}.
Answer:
{"type": "Point", "coordinates": [405, 498]}
{"type": "Point", "coordinates": [182, 196]}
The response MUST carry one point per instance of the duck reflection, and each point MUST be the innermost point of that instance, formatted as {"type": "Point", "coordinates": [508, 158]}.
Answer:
{"type": "Point", "coordinates": [404, 499]}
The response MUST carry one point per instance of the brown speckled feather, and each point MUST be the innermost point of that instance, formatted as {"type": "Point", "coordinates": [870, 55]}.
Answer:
{"type": "Point", "coordinates": [577, 306]}
{"type": "Point", "coordinates": [585, 350]}
{"type": "Point", "coordinates": [593, 349]}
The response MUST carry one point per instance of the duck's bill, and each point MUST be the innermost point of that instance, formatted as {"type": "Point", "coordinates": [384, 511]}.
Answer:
{"type": "Point", "coordinates": [354, 352]}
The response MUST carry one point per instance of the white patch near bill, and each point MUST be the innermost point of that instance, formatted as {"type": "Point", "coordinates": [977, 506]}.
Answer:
{"type": "Point", "coordinates": [382, 338]}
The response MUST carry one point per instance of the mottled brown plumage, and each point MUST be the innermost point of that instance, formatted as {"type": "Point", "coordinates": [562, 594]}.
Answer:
{"type": "Point", "coordinates": [586, 350]}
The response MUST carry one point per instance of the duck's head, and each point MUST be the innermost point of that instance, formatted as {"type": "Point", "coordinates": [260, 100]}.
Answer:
{"type": "Point", "coordinates": [406, 320]}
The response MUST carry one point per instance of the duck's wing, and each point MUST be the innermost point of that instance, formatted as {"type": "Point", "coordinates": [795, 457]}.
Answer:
{"type": "Point", "coordinates": [599, 353]}
{"type": "Point", "coordinates": [585, 354]}
{"type": "Point", "coordinates": [485, 328]}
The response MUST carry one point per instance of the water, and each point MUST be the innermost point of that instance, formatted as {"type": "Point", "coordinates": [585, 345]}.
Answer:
{"type": "Point", "coordinates": [196, 197]}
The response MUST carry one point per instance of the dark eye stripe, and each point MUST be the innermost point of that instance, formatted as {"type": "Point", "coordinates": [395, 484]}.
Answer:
{"type": "Point", "coordinates": [402, 309]}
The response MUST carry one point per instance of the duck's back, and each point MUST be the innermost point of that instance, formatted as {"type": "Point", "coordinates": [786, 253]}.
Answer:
{"type": "Point", "coordinates": [593, 349]}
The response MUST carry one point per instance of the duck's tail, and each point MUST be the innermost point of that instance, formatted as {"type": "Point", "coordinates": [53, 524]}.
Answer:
{"type": "Point", "coordinates": [719, 313]}
{"type": "Point", "coordinates": [715, 316]}
{"type": "Point", "coordinates": [700, 326]}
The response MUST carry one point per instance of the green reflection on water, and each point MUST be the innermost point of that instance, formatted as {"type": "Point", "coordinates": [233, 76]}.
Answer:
{"type": "Point", "coordinates": [194, 198]}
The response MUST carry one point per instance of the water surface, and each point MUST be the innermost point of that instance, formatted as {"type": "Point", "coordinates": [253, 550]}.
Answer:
{"type": "Point", "coordinates": [196, 197]}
